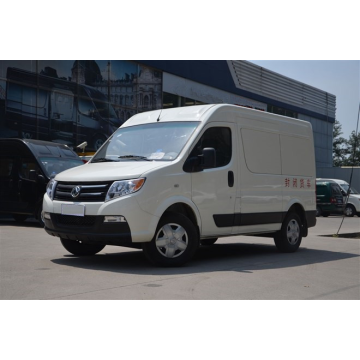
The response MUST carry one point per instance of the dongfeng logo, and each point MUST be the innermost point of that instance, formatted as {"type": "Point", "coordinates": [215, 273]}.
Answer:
{"type": "Point", "coordinates": [75, 192]}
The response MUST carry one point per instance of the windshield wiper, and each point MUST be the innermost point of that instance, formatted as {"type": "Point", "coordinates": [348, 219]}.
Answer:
{"type": "Point", "coordinates": [102, 160]}
{"type": "Point", "coordinates": [134, 157]}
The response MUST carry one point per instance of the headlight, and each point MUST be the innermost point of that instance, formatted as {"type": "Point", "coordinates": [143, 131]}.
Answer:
{"type": "Point", "coordinates": [50, 188]}
{"type": "Point", "coordinates": [124, 187]}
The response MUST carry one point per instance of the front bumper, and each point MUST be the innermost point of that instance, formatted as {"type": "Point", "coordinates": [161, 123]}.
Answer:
{"type": "Point", "coordinates": [90, 229]}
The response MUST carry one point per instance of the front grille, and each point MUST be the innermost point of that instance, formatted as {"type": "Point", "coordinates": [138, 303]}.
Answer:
{"type": "Point", "coordinates": [68, 220]}
{"type": "Point", "coordinates": [90, 192]}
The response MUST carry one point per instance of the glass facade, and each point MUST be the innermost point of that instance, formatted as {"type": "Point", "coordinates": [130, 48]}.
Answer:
{"type": "Point", "coordinates": [74, 101]}
{"type": "Point", "coordinates": [172, 100]}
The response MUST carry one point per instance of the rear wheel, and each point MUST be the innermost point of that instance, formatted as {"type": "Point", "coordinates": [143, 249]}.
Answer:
{"type": "Point", "coordinates": [80, 249]}
{"type": "Point", "coordinates": [288, 239]}
{"type": "Point", "coordinates": [175, 242]}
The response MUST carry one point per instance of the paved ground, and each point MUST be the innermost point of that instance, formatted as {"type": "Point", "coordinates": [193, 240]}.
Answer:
{"type": "Point", "coordinates": [34, 265]}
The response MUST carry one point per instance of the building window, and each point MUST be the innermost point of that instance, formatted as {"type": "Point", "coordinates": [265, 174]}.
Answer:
{"type": "Point", "coordinates": [171, 101]}
{"type": "Point", "coordinates": [281, 111]}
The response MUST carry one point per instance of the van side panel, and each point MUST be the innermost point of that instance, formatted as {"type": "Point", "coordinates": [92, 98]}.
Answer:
{"type": "Point", "coordinates": [262, 151]}
{"type": "Point", "coordinates": [276, 171]}
{"type": "Point", "coordinates": [296, 156]}
{"type": "Point", "coordinates": [259, 202]}
{"type": "Point", "coordinates": [298, 159]}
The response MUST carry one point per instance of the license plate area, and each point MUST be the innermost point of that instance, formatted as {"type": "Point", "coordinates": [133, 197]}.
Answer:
{"type": "Point", "coordinates": [73, 209]}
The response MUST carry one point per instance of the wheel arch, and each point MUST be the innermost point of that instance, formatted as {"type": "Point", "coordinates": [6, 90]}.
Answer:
{"type": "Point", "coordinates": [182, 205]}
{"type": "Point", "coordinates": [184, 209]}
{"type": "Point", "coordinates": [300, 211]}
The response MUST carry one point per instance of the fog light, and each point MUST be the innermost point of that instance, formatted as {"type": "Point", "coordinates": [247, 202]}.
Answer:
{"type": "Point", "coordinates": [47, 215]}
{"type": "Point", "coordinates": [113, 218]}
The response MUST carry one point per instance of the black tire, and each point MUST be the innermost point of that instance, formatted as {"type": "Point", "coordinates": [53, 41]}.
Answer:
{"type": "Point", "coordinates": [174, 243]}
{"type": "Point", "coordinates": [325, 214]}
{"type": "Point", "coordinates": [350, 210]}
{"type": "Point", "coordinates": [19, 217]}
{"type": "Point", "coordinates": [80, 249]}
{"type": "Point", "coordinates": [208, 242]}
{"type": "Point", "coordinates": [288, 239]}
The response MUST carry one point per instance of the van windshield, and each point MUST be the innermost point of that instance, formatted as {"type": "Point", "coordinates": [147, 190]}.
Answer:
{"type": "Point", "coordinates": [148, 142]}
{"type": "Point", "coordinates": [346, 188]}
{"type": "Point", "coordinates": [54, 166]}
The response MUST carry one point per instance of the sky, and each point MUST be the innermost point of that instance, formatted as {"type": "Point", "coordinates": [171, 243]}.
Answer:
{"type": "Point", "coordinates": [338, 77]}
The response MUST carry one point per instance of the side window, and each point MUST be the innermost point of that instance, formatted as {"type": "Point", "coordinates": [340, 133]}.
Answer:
{"type": "Point", "coordinates": [6, 166]}
{"type": "Point", "coordinates": [86, 106]}
{"type": "Point", "coordinates": [25, 166]}
{"type": "Point", "coordinates": [218, 138]}
{"type": "Point", "coordinates": [335, 189]}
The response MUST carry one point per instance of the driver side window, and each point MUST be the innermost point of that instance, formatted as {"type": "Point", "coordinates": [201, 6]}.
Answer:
{"type": "Point", "coordinates": [218, 138]}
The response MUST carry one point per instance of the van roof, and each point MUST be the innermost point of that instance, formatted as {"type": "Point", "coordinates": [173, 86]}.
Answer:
{"type": "Point", "coordinates": [338, 181]}
{"type": "Point", "coordinates": [197, 112]}
{"type": "Point", "coordinates": [188, 113]}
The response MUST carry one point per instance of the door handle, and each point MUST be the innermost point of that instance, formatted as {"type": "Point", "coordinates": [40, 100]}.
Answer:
{"type": "Point", "coordinates": [230, 179]}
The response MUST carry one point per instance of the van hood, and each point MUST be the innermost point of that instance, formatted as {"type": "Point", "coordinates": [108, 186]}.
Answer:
{"type": "Point", "coordinates": [355, 196]}
{"type": "Point", "coordinates": [109, 171]}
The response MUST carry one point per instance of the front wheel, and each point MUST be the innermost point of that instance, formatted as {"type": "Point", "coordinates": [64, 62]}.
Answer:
{"type": "Point", "coordinates": [288, 239]}
{"type": "Point", "coordinates": [175, 242]}
{"type": "Point", "coordinates": [80, 249]}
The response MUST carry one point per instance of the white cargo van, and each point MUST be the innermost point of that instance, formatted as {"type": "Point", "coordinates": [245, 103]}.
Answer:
{"type": "Point", "coordinates": [170, 180]}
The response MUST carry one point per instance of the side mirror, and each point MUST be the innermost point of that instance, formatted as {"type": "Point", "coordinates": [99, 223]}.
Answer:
{"type": "Point", "coordinates": [209, 158]}
{"type": "Point", "coordinates": [198, 163]}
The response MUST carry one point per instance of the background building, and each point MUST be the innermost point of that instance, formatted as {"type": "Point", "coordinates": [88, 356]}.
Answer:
{"type": "Point", "coordinates": [85, 100]}
{"type": "Point", "coordinates": [246, 84]}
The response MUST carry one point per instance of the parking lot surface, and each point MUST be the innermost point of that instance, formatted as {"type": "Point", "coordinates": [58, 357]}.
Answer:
{"type": "Point", "coordinates": [34, 265]}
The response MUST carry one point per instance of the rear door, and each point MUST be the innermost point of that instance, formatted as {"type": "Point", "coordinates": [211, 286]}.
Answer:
{"type": "Point", "coordinates": [337, 196]}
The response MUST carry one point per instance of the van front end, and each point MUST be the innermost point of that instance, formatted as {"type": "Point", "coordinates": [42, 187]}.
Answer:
{"type": "Point", "coordinates": [102, 215]}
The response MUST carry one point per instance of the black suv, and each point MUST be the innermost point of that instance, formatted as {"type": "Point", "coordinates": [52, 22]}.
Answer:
{"type": "Point", "coordinates": [26, 166]}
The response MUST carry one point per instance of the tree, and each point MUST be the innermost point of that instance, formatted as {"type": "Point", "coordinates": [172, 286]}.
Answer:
{"type": "Point", "coordinates": [352, 150]}
{"type": "Point", "coordinates": [339, 145]}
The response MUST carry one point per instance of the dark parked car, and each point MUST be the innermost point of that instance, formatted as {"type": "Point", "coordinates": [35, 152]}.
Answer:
{"type": "Point", "coordinates": [26, 166]}
{"type": "Point", "coordinates": [329, 198]}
